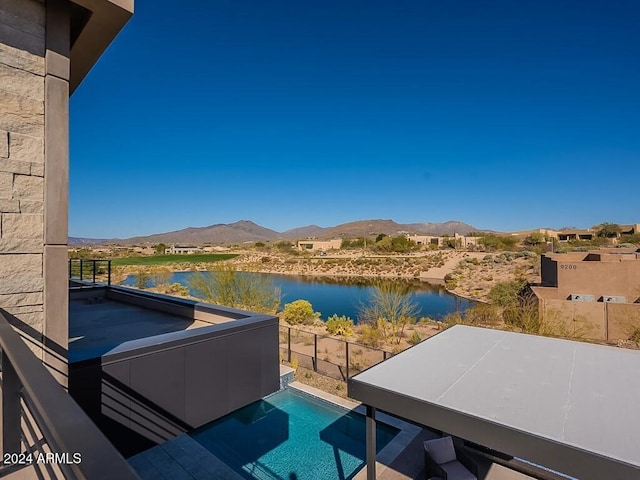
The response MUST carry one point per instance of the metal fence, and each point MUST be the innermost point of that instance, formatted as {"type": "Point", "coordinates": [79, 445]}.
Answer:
{"type": "Point", "coordinates": [326, 355]}
{"type": "Point", "coordinates": [90, 270]}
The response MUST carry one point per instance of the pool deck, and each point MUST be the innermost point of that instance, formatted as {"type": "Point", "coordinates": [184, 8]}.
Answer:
{"type": "Point", "coordinates": [95, 327]}
{"type": "Point", "coordinates": [181, 458]}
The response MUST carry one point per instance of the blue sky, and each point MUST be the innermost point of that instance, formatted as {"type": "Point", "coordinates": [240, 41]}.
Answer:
{"type": "Point", "coordinates": [505, 115]}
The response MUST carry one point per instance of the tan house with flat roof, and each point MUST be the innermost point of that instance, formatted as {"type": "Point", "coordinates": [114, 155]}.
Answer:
{"type": "Point", "coordinates": [575, 234]}
{"type": "Point", "coordinates": [630, 229]}
{"type": "Point", "coordinates": [183, 250]}
{"type": "Point", "coordinates": [319, 245]}
{"type": "Point", "coordinates": [598, 290]}
{"type": "Point", "coordinates": [462, 241]}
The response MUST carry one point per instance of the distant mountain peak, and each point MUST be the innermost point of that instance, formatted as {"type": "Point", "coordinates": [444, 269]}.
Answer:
{"type": "Point", "coordinates": [244, 231]}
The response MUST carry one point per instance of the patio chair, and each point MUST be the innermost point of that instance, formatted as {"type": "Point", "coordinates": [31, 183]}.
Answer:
{"type": "Point", "coordinates": [443, 460]}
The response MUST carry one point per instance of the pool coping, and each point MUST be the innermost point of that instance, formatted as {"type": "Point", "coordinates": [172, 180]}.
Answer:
{"type": "Point", "coordinates": [407, 431]}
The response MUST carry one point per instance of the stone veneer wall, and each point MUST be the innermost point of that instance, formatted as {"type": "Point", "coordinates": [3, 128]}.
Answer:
{"type": "Point", "coordinates": [34, 165]}
{"type": "Point", "coordinates": [22, 161]}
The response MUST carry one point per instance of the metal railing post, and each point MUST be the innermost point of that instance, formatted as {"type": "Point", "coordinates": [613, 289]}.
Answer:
{"type": "Point", "coordinates": [315, 352]}
{"type": "Point", "coordinates": [11, 415]}
{"type": "Point", "coordinates": [347, 355]}
{"type": "Point", "coordinates": [81, 269]}
{"type": "Point", "coordinates": [108, 272]}
{"type": "Point", "coordinates": [94, 270]}
{"type": "Point", "coordinates": [289, 344]}
{"type": "Point", "coordinates": [70, 269]}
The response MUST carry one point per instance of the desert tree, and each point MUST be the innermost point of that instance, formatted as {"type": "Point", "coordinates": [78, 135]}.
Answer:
{"type": "Point", "coordinates": [609, 230]}
{"type": "Point", "coordinates": [161, 276]}
{"type": "Point", "coordinates": [391, 308]}
{"type": "Point", "coordinates": [222, 285]}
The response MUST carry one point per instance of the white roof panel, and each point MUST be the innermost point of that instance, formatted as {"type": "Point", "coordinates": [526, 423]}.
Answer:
{"type": "Point", "coordinates": [575, 394]}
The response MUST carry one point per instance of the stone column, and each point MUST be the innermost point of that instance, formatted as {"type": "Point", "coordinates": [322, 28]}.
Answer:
{"type": "Point", "coordinates": [22, 71]}
{"type": "Point", "coordinates": [34, 157]}
{"type": "Point", "coordinates": [56, 187]}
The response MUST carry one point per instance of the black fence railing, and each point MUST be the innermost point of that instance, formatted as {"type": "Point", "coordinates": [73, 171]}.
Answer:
{"type": "Point", "coordinates": [327, 355]}
{"type": "Point", "coordinates": [44, 431]}
{"type": "Point", "coordinates": [90, 270]}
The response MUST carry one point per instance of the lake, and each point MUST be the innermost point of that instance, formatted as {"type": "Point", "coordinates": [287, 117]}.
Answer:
{"type": "Point", "coordinates": [343, 296]}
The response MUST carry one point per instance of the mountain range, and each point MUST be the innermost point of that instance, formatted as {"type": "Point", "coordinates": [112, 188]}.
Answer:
{"type": "Point", "coordinates": [248, 231]}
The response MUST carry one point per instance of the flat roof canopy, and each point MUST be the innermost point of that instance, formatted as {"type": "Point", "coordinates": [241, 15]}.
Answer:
{"type": "Point", "coordinates": [94, 25]}
{"type": "Point", "coordinates": [570, 406]}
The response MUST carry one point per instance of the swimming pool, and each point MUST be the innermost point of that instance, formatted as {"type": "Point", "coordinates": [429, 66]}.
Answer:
{"type": "Point", "coordinates": [291, 436]}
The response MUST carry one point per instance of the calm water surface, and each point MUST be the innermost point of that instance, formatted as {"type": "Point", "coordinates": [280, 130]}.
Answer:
{"type": "Point", "coordinates": [291, 435]}
{"type": "Point", "coordinates": [330, 295]}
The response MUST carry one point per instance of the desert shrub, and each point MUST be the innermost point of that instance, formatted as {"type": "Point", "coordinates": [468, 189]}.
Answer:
{"type": "Point", "coordinates": [351, 243]}
{"type": "Point", "coordinates": [525, 317]}
{"type": "Point", "coordinates": [372, 334]}
{"type": "Point", "coordinates": [342, 325]}
{"type": "Point", "coordinates": [450, 281]}
{"type": "Point", "coordinates": [177, 289]}
{"type": "Point", "coordinates": [143, 279]}
{"type": "Point", "coordinates": [493, 242]}
{"type": "Point", "coordinates": [299, 312]}
{"type": "Point", "coordinates": [451, 319]}
{"type": "Point", "coordinates": [284, 246]}
{"type": "Point", "coordinates": [160, 276]}
{"type": "Point", "coordinates": [265, 259]}
{"type": "Point", "coordinates": [633, 239]}
{"type": "Point", "coordinates": [482, 314]}
{"type": "Point", "coordinates": [398, 244]}
{"type": "Point", "coordinates": [506, 294]}
{"type": "Point", "coordinates": [414, 339]}
{"type": "Point", "coordinates": [425, 320]}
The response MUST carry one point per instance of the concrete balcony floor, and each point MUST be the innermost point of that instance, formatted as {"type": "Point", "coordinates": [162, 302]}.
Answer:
{"type": "Point", "coordinates": [97, 326]}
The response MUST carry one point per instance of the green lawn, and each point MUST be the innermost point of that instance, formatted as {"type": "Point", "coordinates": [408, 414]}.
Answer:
{"type": "Point", "coordinates": [164, 259]}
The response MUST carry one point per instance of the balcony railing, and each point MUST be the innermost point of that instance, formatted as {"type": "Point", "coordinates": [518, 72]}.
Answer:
{"type": "Point", "coordinates": [42, 427]}
{"type": "Point", "coordinates": [90, 270]}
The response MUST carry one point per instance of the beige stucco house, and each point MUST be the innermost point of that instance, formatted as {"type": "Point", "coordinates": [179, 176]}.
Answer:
{"type": "Point", "coordinates": [594, 292]}
{"type": "Point", "coordinates": [461, 241]}
{"type": "Point", "coordinates": [319, 245]}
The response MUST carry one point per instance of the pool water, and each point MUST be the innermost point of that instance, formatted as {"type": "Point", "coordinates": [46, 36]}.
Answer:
{"type": "Point", "coordinates": [291, 436]}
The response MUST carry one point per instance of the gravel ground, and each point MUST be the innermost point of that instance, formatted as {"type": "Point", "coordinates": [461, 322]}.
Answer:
{"type": "Point", "coordinates": [321, 382]}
